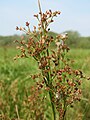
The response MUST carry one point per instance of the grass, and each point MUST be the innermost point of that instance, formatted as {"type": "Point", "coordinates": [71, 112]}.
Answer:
{"type": "Point", "coordinates": [15, 84]}
{"type": "Point", "coordinates": [82, 59]}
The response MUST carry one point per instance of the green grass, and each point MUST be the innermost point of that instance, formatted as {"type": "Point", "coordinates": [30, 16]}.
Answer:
{"type": "Point", "coordinates": [15, 84]}
{"type": "Point", "coordinates": [81, 58]}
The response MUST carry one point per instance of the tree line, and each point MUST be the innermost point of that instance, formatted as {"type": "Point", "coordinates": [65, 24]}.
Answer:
{"type": "Point", "coordinates": [74, 40]}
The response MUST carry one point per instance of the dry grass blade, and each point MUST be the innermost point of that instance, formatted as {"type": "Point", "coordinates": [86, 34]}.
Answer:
{"type": "Point", "coordinates": [39, 6]}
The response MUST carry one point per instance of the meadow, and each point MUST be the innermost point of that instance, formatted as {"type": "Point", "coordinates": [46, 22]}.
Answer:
{"type": "Point", "coordinates": [15, 83]}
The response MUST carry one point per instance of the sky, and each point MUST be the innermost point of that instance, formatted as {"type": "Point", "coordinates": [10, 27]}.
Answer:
{"type": "Point", "coordinates": [75, 15]}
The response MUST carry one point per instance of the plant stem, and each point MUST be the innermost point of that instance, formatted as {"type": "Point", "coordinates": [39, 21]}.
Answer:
{"type": "Point", "coordinates": [50, 96]}
{"type": "Point", "coordinates": [50, 93]}
{"type": "Point", "coordinates": [48, 74]}
{"type": "Point", "coordinates": [53, 108]}
{"type": "Point", "coordinates": [39, 7]}
{"type": "Point", "coordinates": [16, 108]}
{"type": "Point", "coordinates": [65, 109]}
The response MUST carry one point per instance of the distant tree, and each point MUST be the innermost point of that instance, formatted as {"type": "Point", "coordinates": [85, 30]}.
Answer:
{"type": "Point", "coordinates": [73, 38]}
{"type": "Point", "coordinates": [84, 42]}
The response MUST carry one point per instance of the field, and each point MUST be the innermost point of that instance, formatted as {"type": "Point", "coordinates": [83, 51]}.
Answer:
{"type": "Point", "coordinates": [15, 85]}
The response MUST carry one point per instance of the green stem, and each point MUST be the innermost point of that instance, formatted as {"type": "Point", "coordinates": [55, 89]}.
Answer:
{"type": "Point", "coordinates": [49, 62]}
{"type": "Point", "coordinates": [53, 108]}
{"type": "Point", "coordinates": [47, 82]}
{"type": "Point", "coordinates": [64, 115]}
{"type": "Point", "coordinates": [65, 109]}
{"type": "Point", "coordinates": [50, 93]}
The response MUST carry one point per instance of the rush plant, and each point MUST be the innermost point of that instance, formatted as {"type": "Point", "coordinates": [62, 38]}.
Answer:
{"type": "Point", "coordinates": [57, 84]}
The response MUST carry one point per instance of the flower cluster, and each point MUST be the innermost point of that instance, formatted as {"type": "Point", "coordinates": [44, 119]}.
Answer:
{"type": "Point", "coordinates": [57, 77]}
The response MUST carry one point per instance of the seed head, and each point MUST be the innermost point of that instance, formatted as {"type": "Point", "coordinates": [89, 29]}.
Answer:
{"type": "Point", "coordinates": [27, 23]}
{"type": "Point", "coordinates": [17, 28]}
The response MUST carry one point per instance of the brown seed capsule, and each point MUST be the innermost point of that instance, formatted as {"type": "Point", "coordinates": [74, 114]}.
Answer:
{"type": "Point", "coordinates": [48, 29]}
{"type": "Point", "coordinates": [21, 28]}
{"type": "Point", "coordinates": [17, 28]}
{"type": "Point", "coordinates": [36, 15]}
{"type": "Point", "coordinates": [88, 78]}
{"type": "Point", "coordinates": [27, 23]}
{"type": "Point", "coordinates": [59, 12]}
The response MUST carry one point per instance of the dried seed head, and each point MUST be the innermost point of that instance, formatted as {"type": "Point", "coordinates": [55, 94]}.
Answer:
{"type": "Point", "coordinates": [17, 28]}
{"type": "Point", "coordinates": [21, 28]}
{"type": "Point", "coordinates": [34, 27]}
{"type": "Point", "coordinates": [59, 12]}
{"type": "Point", "coordinates": [27, 23]}
{"type": "Point", "coordinates": [36, 15]}
{"type": "Point", "coordinates": [88, 78]}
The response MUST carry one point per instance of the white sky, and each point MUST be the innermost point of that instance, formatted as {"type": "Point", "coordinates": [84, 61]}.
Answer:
{"type": "Point", "coordinates": [75, 15]}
